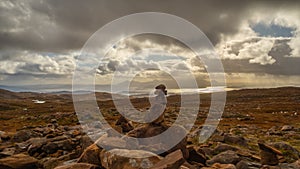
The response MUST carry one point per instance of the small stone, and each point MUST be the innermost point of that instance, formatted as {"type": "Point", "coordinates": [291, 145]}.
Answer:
{"type": "Point", "coordinates": [287, 128]}
{"type": "Point", "coordinates": [53, 121]}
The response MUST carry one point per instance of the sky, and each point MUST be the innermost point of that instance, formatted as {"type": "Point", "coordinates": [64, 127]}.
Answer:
{"type": "Point", "coordinates": [258, 41]}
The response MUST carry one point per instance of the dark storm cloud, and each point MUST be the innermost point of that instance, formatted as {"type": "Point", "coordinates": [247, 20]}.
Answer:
{"type": "Point", "coordinates": [55, 25]}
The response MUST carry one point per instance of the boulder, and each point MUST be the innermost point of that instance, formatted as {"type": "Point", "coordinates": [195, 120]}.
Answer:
{"type": "Point", "coordinates": [151, 130]}
{"type": "Point", "coordinates": [124, 124]}
{"type": "Point", "coordinates": [290, 153]}
{"type": "Point", "coordinates": [91, 155]}
{"type": "Point", "coordinates": [19, 161]}
{"type": "Point", "coordinates": [227, 157]}
{"type": "Point", "coordinates": [128, 159]}
{"type": "Point", "coordinates": [35, 145]}
{"type": "Point", "coordinates": [221, 147]}
{"type": "Point", "coordinates": [4, 136]}
{"type": "Point", "coordinates": [79, 166]}
{"type": "Point", "coordinates": [111, 142]}
{"type": "Point", "coordinates": [172, 160]}
{"type": "Point", "coordinates": [236, 140]}
{"type": "Point", "coordinates": [287, 128]}
{"type": "Point", "coordinates": [50, 148]}
{"type": "Point", "coordinates": [295, 165]}
{"type": "Point", "coordinates": [243, 164]}
{"type": "Point", "coordinates": [223, 166]}
{"type": "Point", "coordinates": [195, 156]}
{"type": "Point", "coordinates": [85, 142]}
{"type": "Point", "coordinates": [220, 166]}
{"type": "Point", "coordinates": [24, 135]}
{"type": "Point", "coordinates": [9, 151]}
{"type": "Point", "coordinates": [187, 165]}
{"type": "Point", "coordinates": [268, 154]}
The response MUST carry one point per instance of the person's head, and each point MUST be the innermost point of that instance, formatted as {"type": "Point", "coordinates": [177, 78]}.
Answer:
{"type": "Point", "coordinates": [161, 87]}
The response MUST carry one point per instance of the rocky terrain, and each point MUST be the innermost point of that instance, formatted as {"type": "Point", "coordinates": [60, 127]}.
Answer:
{"type": "Point", "coordinates": [260, 128]}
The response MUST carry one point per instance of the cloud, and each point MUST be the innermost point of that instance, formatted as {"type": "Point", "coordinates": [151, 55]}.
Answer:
{"type": "Point", "coordinates": [66, 25]}
{"type": "Point", "coordinates": [32, 29]}
{"type": "Point", "coordinates": [255, 50]}
{"type": "Point", "coordinates": [24, 62]}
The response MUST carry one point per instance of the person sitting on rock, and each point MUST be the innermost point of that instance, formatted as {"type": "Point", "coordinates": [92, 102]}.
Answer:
{"type": "Point", "coordinates": [158, 105]}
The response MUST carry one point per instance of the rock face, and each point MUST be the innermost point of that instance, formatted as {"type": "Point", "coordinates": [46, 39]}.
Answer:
{"type": "Point", "coordinates": [268, 154]}
{"type": "Point", "coordinates": [128, 159]}
{"type": "Point", "coordinates": [19, 161]}
{"type": "Point", "coordinates": [173, 160]}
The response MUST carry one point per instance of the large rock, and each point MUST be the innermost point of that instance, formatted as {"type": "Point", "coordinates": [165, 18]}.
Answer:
{"type": "Point", "coordinates": [19, 161]}
{"type": "Point", "coordinates": [236, 140]}
{"type": "Point", "coordinates": [221, 147]}
{"type": "Point", "coordinates": [172, 160]}
{"type": "Point", "coordinates": [85, 142]}
{"type": "Point", "coordinates": [4, 136]}
{"type": "Point", "coordinates": [124, 124]}
{"type": "Point", "coordinates": [24, 135]}
{"type": "Point", "coordinates": [243, 164]}
{"type": "Point", "coordinates": [295, 165]}
{"type": "Point", "coordinates": [91, 155]}
{"type": "Point", "coordinates": [195, 156]}
{"type": "Point", "coordinates": [35, 145]}
{"type": "Point", "coordinates": [268, 154]}
{"type": "Point", "coordinates": [111, 142]}
{"type": "Point", "coordinates": [50, 148]}
{"type": "Point", "coordinates": [227, 157]}
{"type": "Point", "coordinates": [220, 166]}
{"type": "Point", "coordinates": [128, 159]}
{"type": "Point", "coordinates": [79, 166]}
{"type": "Point", "coordinates": [290, 153]}
{"type": "Point", "coordinates": [151, 130]}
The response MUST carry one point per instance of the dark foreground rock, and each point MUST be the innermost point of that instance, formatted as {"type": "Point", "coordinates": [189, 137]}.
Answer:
{"type": "Point", "coordinates": [19, 161]}
{"type": "Point", "coordinates": [268, 154]}
{"type": "Point", "coordinates": [79, 166]}
{"type": "Point", "coordinates": [128, 159]}
{"type": "Point", "coordinates": [173, 160]}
